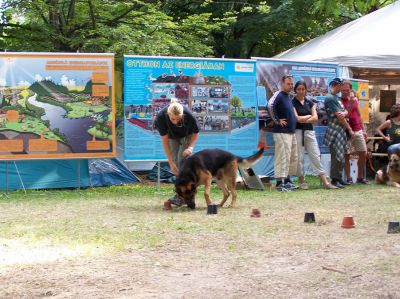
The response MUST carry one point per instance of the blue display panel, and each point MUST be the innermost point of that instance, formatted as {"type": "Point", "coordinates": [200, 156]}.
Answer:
{"type": "Point", "coordinates": [221, 93]}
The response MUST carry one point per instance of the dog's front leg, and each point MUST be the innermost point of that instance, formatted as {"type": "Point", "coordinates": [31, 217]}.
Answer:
{"type": "Point", "coordinates": [395, 184]}
{"type": "Point", "coordinates": [207, 189]}
{"type": "Point", "coordinates": [222, 186]}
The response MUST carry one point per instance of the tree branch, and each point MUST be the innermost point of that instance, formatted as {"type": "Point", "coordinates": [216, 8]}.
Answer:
{"type": "Point", "coordinates": [71, 11]}
{"type": "Point", "coordinates": [113, 21]}
{"type": "Point", "coordinates": [92, 16]}
{"type": "Point", "coordinates": [12, 25]}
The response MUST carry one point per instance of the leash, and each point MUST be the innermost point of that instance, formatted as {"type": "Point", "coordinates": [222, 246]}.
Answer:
{"type": "Point", "coordinates": [369, 158]}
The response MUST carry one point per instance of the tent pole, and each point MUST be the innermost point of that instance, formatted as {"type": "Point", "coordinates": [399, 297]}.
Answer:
{"type": "Point", "coordinates": [79, 174]}
{"type": "Point", "coordinates": [158, 176]}
{"type": "Point", "coordinates": [5, 195]}
{"type": "Point", "coordinates": [20, 178]}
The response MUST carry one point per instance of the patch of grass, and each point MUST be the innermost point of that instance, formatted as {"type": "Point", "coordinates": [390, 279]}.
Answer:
{"type": "Point", "coordinates": [119, 217]}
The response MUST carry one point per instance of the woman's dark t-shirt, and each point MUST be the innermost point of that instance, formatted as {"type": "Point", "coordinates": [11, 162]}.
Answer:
{"type": "Point", "coordinates": [187, 126]}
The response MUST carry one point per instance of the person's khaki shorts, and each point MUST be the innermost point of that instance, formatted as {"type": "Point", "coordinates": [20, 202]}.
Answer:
{"type": "Point", "coordinates": [357, 143]}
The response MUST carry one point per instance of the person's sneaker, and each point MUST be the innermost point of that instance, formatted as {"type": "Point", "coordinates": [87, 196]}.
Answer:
{"type": "Point", "coordinates": [343, 183]}
{"type": "Point", "coordinates": [350, 181]}
{"type": "Point", "coordinates": [337, 184]}
{"type": "Point", "coordinates": [175, 200]}
{"type": "Point", "coordinates": [291, 186]}
{"type": "Point", "coordinates": [282, 188]}
{"type": "Point", "coordinates": [362, 181]}
{"type": "Point", "coordinates": [304, 186]}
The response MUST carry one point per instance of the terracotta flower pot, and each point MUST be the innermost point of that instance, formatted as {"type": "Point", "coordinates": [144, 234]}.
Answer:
{"type": "Point", "coordinates": [167, 206]}
{"type": "Point", "coordinates": [255, 213]}
{"type": "Point", "coordinates": [348, 222]}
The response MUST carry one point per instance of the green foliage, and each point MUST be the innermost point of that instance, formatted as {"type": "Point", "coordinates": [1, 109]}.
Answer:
{"type": "Point", "coordinates": [133, 27]}
{"type": "Point", "coordinates": [237, 29]}
{"type": "Point", "coordinates": [349, 9]}
{"type": "Point", "coordinates": [37, 112]}
{"type": "Point", "coordinates": [236, 102]}
{"type": "Point", "coordinates": [216, 80]}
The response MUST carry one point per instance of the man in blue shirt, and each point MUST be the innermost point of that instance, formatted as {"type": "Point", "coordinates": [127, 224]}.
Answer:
{"type": "Point", "coordinates": [282, 112]}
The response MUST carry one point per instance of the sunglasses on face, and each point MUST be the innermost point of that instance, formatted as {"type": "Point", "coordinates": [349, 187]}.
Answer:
{"type": "Point", "coordinates": [286, 77]}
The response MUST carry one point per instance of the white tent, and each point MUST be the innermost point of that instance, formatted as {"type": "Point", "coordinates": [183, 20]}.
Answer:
{"type": "Point", "coordinates": [368, 46]}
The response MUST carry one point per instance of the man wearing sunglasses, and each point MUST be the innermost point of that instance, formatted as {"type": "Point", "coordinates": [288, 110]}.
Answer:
{"type": "Point", "coordinates": [282, 112]}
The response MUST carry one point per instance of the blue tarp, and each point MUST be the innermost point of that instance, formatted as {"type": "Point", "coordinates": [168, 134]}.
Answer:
{"type": "Point", "coordinates": [46, 174]}
{"type": "Point", "coordinates": [107, 172]}
{"type": "Point", "coordinates": [265, 166]}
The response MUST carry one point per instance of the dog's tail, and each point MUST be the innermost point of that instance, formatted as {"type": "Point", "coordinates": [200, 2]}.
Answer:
{"type": "Point", "coordinates": [247, 162]}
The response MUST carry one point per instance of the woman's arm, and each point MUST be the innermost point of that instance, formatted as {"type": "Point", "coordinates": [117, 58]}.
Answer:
{"type": "Point", "coordinates": [383, 126]}
{"type": "Point", "coordinates": [167, 151]}
{"type": "Point", "coordinates": [301, 119]}
{"type": "Point", "coordinates": [189, 150]}
{"type": "Point", "coordinates": [314, 115]}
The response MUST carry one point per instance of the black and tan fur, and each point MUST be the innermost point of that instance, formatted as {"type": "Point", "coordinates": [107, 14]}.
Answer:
{"type": "Point", "coordinates": [203, 166]}
{"type": "Point", "coordinates": [390, 174]}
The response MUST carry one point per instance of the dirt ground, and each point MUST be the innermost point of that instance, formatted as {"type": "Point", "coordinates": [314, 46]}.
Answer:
{"type": "Point", "coordinates": [274, 256]}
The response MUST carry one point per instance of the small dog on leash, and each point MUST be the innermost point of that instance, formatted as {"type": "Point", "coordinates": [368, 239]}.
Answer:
{"type": "Point", "coordinates": [203, 166]}
{"type": "Point", "coordinates": [390, 174]}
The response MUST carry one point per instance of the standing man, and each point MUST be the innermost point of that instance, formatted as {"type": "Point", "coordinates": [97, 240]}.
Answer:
{"type": "Point", "coordinates": [179, 132]}
{"type": "Point", "coordinates": [282, 112]}
{"type": "Point", "coordinates": [350, 103]}
{"type": "Point", "coordinates": [335, 136]}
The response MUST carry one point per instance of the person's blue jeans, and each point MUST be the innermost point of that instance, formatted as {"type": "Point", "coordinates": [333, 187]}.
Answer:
{"type": "Point", "coordinates": [394, 148]}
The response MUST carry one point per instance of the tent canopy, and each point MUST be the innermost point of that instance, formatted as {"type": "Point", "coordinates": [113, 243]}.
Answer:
{"type": "Point", "coordinates": [367, 45]}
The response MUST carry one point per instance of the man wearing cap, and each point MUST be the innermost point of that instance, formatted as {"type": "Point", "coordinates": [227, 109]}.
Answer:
{"type": "Point", "coordinates": [335, 136]}
{"type": "Point", "coordinates": [282, 112]}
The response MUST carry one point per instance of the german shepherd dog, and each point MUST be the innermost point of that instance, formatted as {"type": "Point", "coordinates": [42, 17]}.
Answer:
{"type": "Point", "coordinates": [203, 166]}
{"type": "Point", "coordinates": [390, 174]}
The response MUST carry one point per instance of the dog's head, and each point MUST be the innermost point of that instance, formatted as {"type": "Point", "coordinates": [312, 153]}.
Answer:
{"type": "Point", "coordinates": [394, 162]}
{"type": "Point", "coordinates": [186, 189]}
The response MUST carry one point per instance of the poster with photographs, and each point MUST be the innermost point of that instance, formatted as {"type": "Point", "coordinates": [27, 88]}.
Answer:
{"type": "Point", "coordinates": [317, 77]}
{"type": "Point", "coordinates": [56, 106]}
{"type": "Point", "coordinates": [219, 92]}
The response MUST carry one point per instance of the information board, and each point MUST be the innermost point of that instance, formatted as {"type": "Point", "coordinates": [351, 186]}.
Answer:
{"type": "Point", "coordinates": [221, 94]}
{"type": "Point", "coordinates": [56, 106]}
